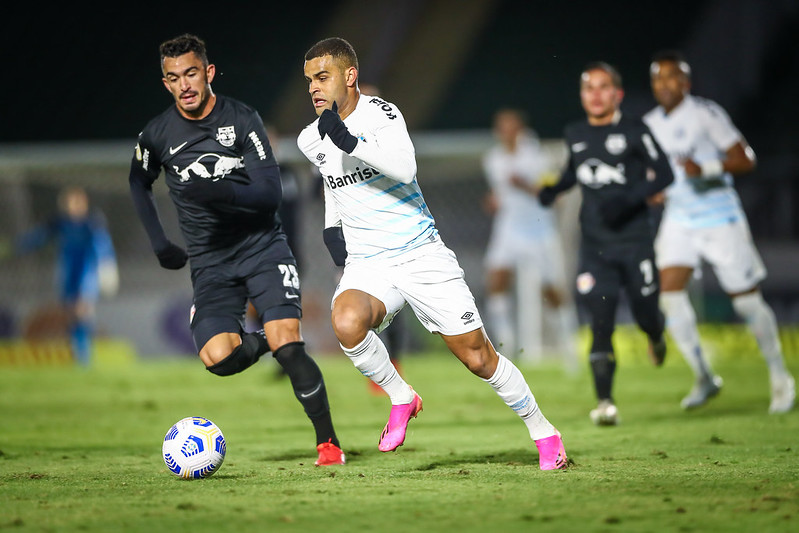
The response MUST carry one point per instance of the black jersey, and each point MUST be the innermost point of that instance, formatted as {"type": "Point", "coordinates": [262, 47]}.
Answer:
{"type": "Point", "coordinates": [615, 162]}
{"type": "Point", "coordinates": [229, 144]}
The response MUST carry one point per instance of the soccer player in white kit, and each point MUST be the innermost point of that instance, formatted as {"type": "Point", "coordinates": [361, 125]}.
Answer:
{"type": "Point", "coordinates": [378, 224]}
{"type": "Point", "coordinates": [524, 234]}
{"type": "Point", "coordinates": [703, 219]}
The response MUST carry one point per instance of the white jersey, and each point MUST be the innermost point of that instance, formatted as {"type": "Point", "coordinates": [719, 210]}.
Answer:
{"type": "Point", "coordinates": [372, 193]}
{"type": "Point", "coordinates": [520, 213]}
{"type": "Point", "coordinates": [697, 129]}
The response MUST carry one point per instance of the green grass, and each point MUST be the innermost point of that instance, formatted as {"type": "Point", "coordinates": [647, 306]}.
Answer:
{"type": "Point", "coordinates": [81, 451]}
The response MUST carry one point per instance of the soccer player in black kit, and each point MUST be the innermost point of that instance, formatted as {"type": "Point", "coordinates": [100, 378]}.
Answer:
{"type": "Point", "coordinates": [225, 184]}
{"type": "Point", "coordinates": [620, 169]}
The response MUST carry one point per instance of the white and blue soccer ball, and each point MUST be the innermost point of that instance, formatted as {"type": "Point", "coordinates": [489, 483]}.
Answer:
{"type": "Point", "coordinates": [194, 448]}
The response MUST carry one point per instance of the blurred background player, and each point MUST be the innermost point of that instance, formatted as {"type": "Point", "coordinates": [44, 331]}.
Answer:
{"type": "Point", "coordinates": [612, 156]}
{"type": "Point", "coordinates": [703, 219]}
{"type": "Point", "coordinates": [225, 184]}
{"type": "Point", "coordinates": [524, 236]}
{"type": "Point", "coordinates": [379, 227]}
{"type": "Point", "coordinates": [86, 263]}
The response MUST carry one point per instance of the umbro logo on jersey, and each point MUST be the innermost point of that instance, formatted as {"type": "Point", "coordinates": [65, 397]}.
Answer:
{"type": "Point", "coordinates": [176, 149]}
{"type": "Point", "coordinates": [579, 147]}
{"type": "Point", "coordinates": [467, 317]}
{"type": "Point", "coordinates": [320, 156]}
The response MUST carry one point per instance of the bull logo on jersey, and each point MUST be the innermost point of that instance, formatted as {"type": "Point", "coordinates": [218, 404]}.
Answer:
{"type": "Point", "coordinates": [222, 166]}
{"type": "Point", "coordinates": [595, 173]}
{"type": "Point", "coordinates": [226, 136]}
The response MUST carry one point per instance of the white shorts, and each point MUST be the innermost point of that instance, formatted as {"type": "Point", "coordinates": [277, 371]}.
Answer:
{"type": "Point", "coordinates": [430, 281]}
{"type": "Point", "coordinates": [507, 250]}
{"type": "Point", "coordinates": [728, 249]}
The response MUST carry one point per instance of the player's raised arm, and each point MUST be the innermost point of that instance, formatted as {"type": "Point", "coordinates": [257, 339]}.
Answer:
{"type": "Point", "coordinates": [391, 151]}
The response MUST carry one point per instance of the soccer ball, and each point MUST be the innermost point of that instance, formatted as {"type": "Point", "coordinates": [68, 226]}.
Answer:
{"type": "Point", "coordinates": [194, 448]}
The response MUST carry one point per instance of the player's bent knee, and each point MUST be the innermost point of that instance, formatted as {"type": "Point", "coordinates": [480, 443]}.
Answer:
{"type": "Point", "coordinates": [242, 357]}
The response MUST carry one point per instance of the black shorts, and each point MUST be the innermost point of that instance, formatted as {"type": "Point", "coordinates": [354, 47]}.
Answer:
{"type": "Point", "coordinates": [604, 269]}
{"type": "Point", "coordinates": [269, 279]}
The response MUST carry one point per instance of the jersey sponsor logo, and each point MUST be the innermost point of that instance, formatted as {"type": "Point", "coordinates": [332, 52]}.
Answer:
{"type": "Point", "coordinates": [595, 173]}
{"type": "Point", "coordinates": [384, 106]}
{"type": "Point", "coordinates": [585, 283]}
{"type": "Point", "coordinates": [226, 136]}
{"type": "Point", "coordinates": [143, 156]}
{"type": "Point", "coordinates": [176, 149]}
{"type": "Point", "coordinates": [259, 146]}
{"type": "Point", "coordinates": [650, 146]}
{"type": "Point", "coordinates": [579, 147]}
{"type": "Point", "coordinates": [349, 179]}
{"type": "Point", "coordinates": [222, 166]}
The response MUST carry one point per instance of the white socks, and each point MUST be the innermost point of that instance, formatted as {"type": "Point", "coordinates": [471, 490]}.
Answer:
{"type": "Point", "coordinates": [763, 325]}
{"type": "Point", "coordinates": [681, 323]}
{"type": "Point", "coordinates": [372, 359]}
{"type": "Point", "coordinates": [499, 307]}
{"type": "Point", "coordinates": [509, 384]}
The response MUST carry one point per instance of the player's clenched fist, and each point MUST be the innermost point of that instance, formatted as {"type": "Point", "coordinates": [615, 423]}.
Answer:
{"type": "Point", "coordinates": [173, 257]}
{"type": "Point", "coordinates": [330, 124]}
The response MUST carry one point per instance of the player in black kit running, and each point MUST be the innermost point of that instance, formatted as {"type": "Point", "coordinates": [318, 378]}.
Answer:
{"type": "Point", "coordinates": [620, 169]}
{"type": "Point", "coordinates": [225, 184]}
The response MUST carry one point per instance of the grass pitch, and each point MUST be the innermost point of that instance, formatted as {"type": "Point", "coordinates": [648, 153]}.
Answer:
{"type": "Point", "coordinates": [80, 450]}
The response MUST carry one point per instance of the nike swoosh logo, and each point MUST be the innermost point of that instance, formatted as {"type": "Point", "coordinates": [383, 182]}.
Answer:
{"type": "Point", "coordinates": [173, 151]}
{"type": "Point", "coordinates": [291, 296]}
{"type": "Point", "coordinates": [579, 147]}
{"type": "Point", "coordinates": [309, 394]}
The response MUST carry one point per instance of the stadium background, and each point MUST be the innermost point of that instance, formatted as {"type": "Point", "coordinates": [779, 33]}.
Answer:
{"type": "Point", "coordinates": [81, 83]}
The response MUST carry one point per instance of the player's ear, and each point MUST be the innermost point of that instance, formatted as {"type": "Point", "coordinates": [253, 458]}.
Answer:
{"type": "Point", "coordinates": [210, 72]}
{"type": "Point", "coordinates": [619, 95]}
{"type": "Point", "coordinates": [352, 77]}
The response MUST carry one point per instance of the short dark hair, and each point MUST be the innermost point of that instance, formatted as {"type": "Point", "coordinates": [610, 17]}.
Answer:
{"type": "Point", "coordinates": [672, 56]}
{"type": "Point", "coordinates": [341, 50]}
{"type": "Point", "coordinates": [183, 44]}
{"type": "Point", "coordinates": [612, 71]}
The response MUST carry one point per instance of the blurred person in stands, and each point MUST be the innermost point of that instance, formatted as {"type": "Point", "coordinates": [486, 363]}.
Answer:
{"type": "Point", "coordinates": [225, 184]}
{"type": "Point", "coordinates": [524, 235]}
{"type": "Point", "coordinates": [86, 265]}
{"type": "Point", "coordinates": [620, 170]}
{"type": "Point", "coordinates": [703, 220]}
{"type": "Point", "coordinates": [378, 226]}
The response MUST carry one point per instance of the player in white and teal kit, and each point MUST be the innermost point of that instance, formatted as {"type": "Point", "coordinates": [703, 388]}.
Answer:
{"type": "Point", "coordinates": [380, 228]}
{"type": "Point", "coordinates": [703, 220]}
{"type": "Point", "coordinates": [524, 236]}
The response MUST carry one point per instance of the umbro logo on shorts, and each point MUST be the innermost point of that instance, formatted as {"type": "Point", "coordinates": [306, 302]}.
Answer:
{"type": "Point", "coordinates": [467, 317]}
